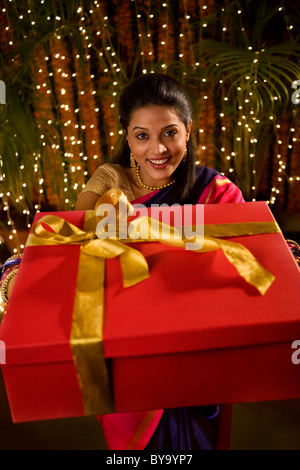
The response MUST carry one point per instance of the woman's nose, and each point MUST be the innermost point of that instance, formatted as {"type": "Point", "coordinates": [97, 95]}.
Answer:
{"type": "Point", "coordinates": [158, 147]}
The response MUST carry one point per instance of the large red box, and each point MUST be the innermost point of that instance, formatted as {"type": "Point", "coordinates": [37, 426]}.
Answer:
{"type": "Point", "coordinates": [193, 333]}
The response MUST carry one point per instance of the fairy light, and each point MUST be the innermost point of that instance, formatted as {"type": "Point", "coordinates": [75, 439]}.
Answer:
{"type": "Point", "coordinates": [281, 167]}
{"type": "Point", "coordinates": [164, 40]}
{"type": "Point", "coordinates": [276, 188]}
{"type": "Point", "coordinates": [13, 235]}
{"type": "Point", "coordinates": [289, 26]}
{"type": "Point", "coordinates": [203, 85]}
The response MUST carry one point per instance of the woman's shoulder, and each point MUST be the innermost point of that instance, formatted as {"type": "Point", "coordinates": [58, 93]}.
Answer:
{"type": "Point", "coordinates": [108, 168]}
{"type": "Point", "coordinates": [103, 178]}
{"type": "Point", "coordinates": [108, 176]}
{"type": "Point", "coordinates": [216, 187]}
{"type": "Point", "coordinates": [108, 172]}
{"type": "Point", "coordinates": [204, 172]}
{"type": "Point", "coordinates": [204, 176]}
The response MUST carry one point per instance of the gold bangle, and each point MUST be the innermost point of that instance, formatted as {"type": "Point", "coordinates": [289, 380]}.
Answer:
{"type": "Point", "coordinates": [4, 285]}
{"type": "Point", "coordinates": [14, 257]}
{"type": "Point", "coordinates": [4, 267]}
{"type": "Point", "coordinates": [292, 242]}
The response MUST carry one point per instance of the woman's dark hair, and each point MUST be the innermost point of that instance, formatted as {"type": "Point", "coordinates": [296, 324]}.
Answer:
{"type": "Point", "coordinates": [161, 90]}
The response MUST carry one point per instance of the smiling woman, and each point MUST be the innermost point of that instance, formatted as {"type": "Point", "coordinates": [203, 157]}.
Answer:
{"type": "Point", "coordinates": [156, 165]}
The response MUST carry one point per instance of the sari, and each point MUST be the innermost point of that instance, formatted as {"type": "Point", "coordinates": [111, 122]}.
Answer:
{"type": "Point", "coordinates": [190, 428]}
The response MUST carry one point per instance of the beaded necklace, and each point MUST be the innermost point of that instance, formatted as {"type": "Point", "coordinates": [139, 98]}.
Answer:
{"type": "Point", "coordinates": [153, 188]}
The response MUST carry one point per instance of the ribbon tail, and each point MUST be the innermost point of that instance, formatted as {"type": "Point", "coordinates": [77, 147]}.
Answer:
{"type": "Point", "coordinates": [92, 377]}
{"type": "Point", "coordinates": [134, 267]}
{"type": "Point", "coordinates": [247, 265]}
{"type": "Point", "coordinates": [87, 338]}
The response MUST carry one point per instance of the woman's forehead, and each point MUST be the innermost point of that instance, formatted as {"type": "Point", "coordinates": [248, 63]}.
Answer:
{"type": "Point", "coordinates": [157, 117]}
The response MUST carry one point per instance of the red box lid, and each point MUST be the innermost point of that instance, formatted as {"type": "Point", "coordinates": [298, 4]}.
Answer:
{"type": "Point", "coordinates": [192, 301]}
{"type": "Point", "coordinates": [196, 301]}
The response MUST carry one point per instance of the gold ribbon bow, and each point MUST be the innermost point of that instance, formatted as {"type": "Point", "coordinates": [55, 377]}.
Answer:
{"type": "Point", "coordinates": [87, 324]}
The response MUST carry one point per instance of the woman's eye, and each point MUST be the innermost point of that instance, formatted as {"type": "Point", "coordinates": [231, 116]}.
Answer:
{"type": "Point", "coordinates": [170, 133]}
{"type": "Point", "coordinates": [141, 136]}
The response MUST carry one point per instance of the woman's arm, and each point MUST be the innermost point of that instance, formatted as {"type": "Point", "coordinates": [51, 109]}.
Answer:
{"type": "Point", "coordinates": [86, 201]}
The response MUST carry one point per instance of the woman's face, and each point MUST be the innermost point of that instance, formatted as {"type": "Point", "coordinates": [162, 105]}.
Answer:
{"type": "Point", "coordinates": [157, 138]}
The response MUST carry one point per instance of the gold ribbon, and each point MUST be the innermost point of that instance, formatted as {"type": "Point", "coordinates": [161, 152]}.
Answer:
{"type": "Point", "coordinates": [87, 324]}
{"type": "Point", "coordinates": [238, 255]}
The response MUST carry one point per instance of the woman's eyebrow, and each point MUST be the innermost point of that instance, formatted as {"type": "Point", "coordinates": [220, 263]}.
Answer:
{"type": "Point", "coordinates": [143, 128]}
{"type": "Point", "coordinates": [162, 129]}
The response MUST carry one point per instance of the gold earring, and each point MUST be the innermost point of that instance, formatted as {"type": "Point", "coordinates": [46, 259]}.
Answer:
{"type": "Point", "coordinates": [132, 161]}
{"type": "Point", "coordinates": [185, 155]}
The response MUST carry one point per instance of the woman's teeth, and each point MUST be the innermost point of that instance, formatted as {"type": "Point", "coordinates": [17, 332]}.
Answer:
{"type": "Point", "coordinates": [159, 162]}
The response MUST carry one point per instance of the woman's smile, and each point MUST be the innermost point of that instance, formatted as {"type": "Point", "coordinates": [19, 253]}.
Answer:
{"type": "Point", "coordinates": [159, 163]}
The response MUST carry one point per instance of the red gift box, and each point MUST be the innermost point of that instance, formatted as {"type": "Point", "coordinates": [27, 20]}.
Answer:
{"type": "Point", "coordinates": [193, 333]}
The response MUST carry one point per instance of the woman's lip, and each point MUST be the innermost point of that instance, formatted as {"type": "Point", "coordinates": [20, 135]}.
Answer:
{"type": "Point", "coordinates": [158, 162]}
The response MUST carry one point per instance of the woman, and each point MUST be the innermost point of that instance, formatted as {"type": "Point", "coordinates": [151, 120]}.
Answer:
{"type": "Point", "coordinates": [156, 162]}
{"type": "Point", "coordinates": [155, 165]}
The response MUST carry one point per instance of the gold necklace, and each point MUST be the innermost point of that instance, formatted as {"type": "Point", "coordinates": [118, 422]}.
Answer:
{"type": "Point", "coordinates": [153, 188]}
